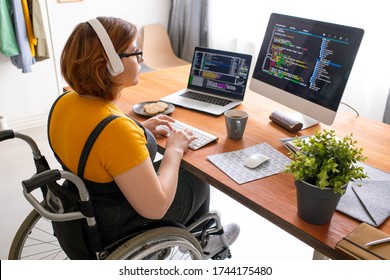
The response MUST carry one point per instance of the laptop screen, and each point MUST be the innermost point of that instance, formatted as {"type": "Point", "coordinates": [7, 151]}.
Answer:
{"type": "Point", "coordinates": [219, 72]}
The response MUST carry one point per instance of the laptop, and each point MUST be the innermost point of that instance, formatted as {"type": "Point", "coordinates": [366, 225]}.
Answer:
{"type": "Point", "coordinates": [217, 81]}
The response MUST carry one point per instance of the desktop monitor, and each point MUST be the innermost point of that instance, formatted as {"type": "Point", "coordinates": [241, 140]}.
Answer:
{"type": "Point", "coordinates": [304, 64]}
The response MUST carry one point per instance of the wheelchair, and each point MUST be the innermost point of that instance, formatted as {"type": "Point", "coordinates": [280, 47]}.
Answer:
{"type": "Point", "coordinates": [64, 217]}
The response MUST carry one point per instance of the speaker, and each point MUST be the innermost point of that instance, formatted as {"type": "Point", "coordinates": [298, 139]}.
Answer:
{"type": "Point", "coordinates": [115, 65]}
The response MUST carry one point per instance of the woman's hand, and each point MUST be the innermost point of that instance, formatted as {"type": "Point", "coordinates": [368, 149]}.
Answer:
{"type": "Point", "coordinates": [155, 121]}
{"type": "Point", "coordinates": [179, 140]}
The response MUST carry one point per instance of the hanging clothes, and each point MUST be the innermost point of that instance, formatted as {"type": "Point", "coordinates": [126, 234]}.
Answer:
{"type": "Point", "coordinates": [41, 48]}
{"type": "Point", "coordinates": [24, 60]}
{"type": "Point", "coordinates": [30, 33]}
{"type": "Point", "coordinates": [8, 43]}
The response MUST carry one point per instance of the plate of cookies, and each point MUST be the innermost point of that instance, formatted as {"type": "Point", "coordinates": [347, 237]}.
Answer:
{"type": "Point", "coordinates": [152, 108]}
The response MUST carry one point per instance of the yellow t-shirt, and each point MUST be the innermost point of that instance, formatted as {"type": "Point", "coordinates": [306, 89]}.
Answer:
{"type": "Point", "coordinates": [120, 146]}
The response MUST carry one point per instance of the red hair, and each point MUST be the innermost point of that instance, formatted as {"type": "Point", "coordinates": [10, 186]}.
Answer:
{"type": "Point", "coordinates": [84, 61]}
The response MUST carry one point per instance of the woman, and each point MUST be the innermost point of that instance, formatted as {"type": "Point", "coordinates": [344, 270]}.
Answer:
{"type": "Point", "coordinates": [126, 187]}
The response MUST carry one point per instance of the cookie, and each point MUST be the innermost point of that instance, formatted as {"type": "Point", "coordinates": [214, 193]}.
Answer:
{"type": "Point", "coordinates": [155, 108]}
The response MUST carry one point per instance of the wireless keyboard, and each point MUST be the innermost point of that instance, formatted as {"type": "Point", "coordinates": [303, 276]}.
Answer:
{"type": "Point", "coordinates": [202, 137]}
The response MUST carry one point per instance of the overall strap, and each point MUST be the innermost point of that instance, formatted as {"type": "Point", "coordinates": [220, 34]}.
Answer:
{"type": "Point", "coordinates": [90, 141]}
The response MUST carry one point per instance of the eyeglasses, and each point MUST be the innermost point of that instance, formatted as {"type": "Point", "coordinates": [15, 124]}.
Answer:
{"type": "Point", "coordinates": [137, 53]}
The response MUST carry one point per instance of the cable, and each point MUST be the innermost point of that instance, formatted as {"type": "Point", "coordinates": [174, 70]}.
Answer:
{"type": "Point", "coordinates": [357, 113]}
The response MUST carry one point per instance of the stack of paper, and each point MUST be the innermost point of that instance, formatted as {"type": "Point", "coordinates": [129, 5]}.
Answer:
{"type": "Point", "coordinates": [289, 143]}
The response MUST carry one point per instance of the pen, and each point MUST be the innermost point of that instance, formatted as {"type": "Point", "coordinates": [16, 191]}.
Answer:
{"type": "Point", "coordinates": [379, 241]}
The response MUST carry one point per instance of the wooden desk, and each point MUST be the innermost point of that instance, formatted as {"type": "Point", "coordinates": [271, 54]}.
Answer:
{"type": "Point", "coordinates": [274, 197]}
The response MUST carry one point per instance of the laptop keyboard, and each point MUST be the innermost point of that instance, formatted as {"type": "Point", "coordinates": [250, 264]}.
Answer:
{"type": "Point", "coordinates": [206, 98]}
{"type": "Point", "coordinates": [202, 137]}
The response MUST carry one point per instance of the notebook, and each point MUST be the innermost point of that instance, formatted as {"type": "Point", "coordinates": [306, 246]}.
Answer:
{"type": "Point", "coordinates": [217, 81]}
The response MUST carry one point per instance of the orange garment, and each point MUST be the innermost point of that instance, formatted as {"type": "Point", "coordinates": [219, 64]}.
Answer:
{"type": "Point", "coordinates": [120, 146]}
{"type": "Point", "coordinates": [30, 33]}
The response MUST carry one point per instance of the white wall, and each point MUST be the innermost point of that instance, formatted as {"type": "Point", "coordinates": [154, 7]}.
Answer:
{"type": "Point", "coordinates": [240, 25]}
{"type": "Point", "coordinates": [25, 99]}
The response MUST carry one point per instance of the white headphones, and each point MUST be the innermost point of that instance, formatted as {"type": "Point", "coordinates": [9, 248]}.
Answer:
{"type": "Point", "coordinates": [115, 65]}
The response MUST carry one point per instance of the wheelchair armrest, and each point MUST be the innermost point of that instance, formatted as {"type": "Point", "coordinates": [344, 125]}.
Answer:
{"type": "Point", "coordinates": [52, 175]}
{"type": "Point", "coordinates": [63, 217]}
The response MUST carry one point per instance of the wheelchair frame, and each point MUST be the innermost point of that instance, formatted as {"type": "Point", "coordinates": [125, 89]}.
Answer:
{"type": "Point", "coordinates": [170, 241]}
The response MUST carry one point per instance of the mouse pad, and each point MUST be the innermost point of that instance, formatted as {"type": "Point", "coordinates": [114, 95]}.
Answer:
{"type": "Point", "coordinates": [232, 163]}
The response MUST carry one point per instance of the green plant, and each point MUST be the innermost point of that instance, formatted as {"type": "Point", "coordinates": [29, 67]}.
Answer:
{"type": "Point", "coordinates": [326, 161]}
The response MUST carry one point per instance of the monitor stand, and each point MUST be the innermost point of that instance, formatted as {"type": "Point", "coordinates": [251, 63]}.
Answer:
{"type": "Point", "coordinates": [305, 120]}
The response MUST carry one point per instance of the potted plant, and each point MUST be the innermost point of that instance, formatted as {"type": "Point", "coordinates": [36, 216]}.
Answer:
{"type": "Point", "coordinates": [322, 168]}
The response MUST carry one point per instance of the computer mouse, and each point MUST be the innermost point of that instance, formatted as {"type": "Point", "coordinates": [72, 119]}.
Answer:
{"type": "Point", "coordinates": [255, 160]}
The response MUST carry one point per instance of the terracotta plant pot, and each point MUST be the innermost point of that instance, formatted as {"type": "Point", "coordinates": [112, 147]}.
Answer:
{"type": "Point", "coordinates": [316, 206]}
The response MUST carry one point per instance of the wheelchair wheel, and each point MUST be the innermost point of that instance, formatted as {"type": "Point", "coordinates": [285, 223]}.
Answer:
{"type": "Point", "coordinates": [34, 240]}
{"type": "Point", "coordinates": [165, 243]}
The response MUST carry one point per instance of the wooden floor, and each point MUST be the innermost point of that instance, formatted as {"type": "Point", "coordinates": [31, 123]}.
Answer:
{"type": "Point", "coordinates": [259, 239]}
